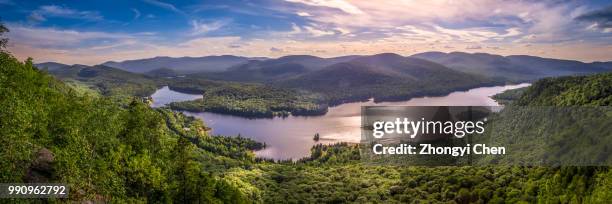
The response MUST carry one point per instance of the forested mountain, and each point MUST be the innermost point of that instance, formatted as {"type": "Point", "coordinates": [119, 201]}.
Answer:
{"type": "Point", "coordinates": [308, 61]}
{"type": "Point", "coordinates": [234, 68]}
{"type": "Point", "coordinates": [162, 72]}
{"type": "Point", "coordinates": [513, 68]}
{"type": "Point", "coordinates": [106, 80]}
{"type": "Point", "coordinates": [274, 69]}
{"type": "Point", "coordinates": [384, 76]}
{"type": "Point", "coordinates": [51, 65]}
{"type": "Point", "coordinates": [605, 65]}
{"type": "Point", "coordinates": [182, 65]}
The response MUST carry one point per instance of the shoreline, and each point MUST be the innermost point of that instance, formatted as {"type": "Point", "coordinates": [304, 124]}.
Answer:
{"type": "Point", "coordinates": [331, 105]}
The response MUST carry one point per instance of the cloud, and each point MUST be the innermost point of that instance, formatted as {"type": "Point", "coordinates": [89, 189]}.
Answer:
{"type": "Point", "coordinates": [60, 39]}
{"type": "Point", "coordinates": [302, 13]}
{"type": "Point", "coordinates": [337, 4]}
{"type": "Point", "coordinates": [136, 13]}
{"type": "Point", "coordinates": [602, 17]}
{"type": "Point", "coordinates": [315, 32]}
{"type": "Point", "coordinates": [64, 12]}
{"type": "Point", "coordinates": [201, 27]}
{"type": "Point", "coordinates": [48, 44]}
{"type": "Point", "coordinates": [35, 17]}
{"type": "Point", "coordinates": [306, 31]}
{"type": "Point", "coordinates": [455, 21]}
{"type": "Point", "coordinates": [164, 5]}
{"type": "Point", "coordinates": [562, 29]}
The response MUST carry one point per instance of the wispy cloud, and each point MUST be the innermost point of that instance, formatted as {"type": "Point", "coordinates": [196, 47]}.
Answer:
{"type": "Point", "coordinates": [337, 4]}
{"type": "Point", "coordinates": [164, 5]}
{"type": "Point", "coordinates": [562, 29]}
{"type": "Point", "coordinates": [61, 39]}
{"type": "Point", "coordinates": [302, 13]}
{"type": "Point", "coordinates": [203, 27]}
{"type": "Point", "coordinates": [35, 17]}
{"type": "Point", "coordinates": [602, 17]}
{"type": "Point", "coordinates": [136, 13]}
{"type": "Point", "coordinates": [63, 12]}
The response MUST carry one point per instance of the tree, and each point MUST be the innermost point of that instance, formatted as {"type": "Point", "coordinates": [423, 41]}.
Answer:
{"type": "Point", "coordinates": [3, 40]}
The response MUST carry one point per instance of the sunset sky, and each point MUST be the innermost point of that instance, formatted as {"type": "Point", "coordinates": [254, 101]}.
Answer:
{"type": "Point", "coordinates": [92, 32]}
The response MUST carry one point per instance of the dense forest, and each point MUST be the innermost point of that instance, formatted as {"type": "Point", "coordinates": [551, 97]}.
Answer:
{"type": "Point", "coordinates": [105, 150]}
{"type": "Point", "coordinates": [593, 90]}
{"type": "Point", "coordinates": [250, 100]}
{"type": "Point", "coordinates": [115, 151]}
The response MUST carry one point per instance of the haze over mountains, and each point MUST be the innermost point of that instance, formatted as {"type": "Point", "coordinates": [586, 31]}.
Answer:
{"type": "Point", "coordinates": [236, 68]}
{"type": "Point", "coordinates": [183, 65]}
{"type": "Point", "coordinates": [513, 67]}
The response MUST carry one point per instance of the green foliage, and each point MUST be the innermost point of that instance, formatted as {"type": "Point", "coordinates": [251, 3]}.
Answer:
{"type": "Point", "coordinates": [118, 84]}
{"type": "Point", "coordinates": [105, 151]}
{"type": "Point", "coordinates": [335, 174]}
{"type": "Point", "coordinates": [3, 41]}
{"type": "Point", "coordinates": [508, 96]}
{"type": "Point", "coordinates": [567, 91]}
{"type": "Point", "coordinates": [253, 100]}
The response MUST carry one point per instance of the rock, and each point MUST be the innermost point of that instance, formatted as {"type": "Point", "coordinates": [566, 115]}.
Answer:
{"type": "Point", "coordinates": [41, 168]}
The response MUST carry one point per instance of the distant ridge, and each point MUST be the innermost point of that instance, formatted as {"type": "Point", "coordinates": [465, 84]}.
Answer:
{"type": "Point", "coordinates": [384, 77]}
{"type": "Point", "coordinates": [51, 65]}
{"type": "Point", "coordinates": [182, 65]}
{"type": "Point", "coordinates": [513, 67]}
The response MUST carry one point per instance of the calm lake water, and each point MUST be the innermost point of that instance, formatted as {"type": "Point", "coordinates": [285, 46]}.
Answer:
{"type": "Point", "coordinates": [291, 137]}
{"type": "Point", "coordinates": [165, 96]}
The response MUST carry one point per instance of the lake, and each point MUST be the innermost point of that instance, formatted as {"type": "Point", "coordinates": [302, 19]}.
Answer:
{"type": "Point", "coordinates": [165, 96]}
{"type": "Point", "coordinates": [292, 137]}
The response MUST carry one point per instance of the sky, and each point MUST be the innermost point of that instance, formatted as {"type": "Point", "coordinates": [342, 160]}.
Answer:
{"type": "Point", "coordinates": [92, 32]}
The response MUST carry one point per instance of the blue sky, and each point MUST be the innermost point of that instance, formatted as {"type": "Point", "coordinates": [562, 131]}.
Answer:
{"type": "Point", "coordinates": [91, 32]}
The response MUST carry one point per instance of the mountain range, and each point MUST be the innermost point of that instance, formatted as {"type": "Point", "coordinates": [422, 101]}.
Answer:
{"type": "Point", "coordinates": [182, 65]}
{"type": "Point", "coordinates": [229, 67]}
{"type": "Point", "coordinates": [513, 67]}
{"type": "Point", "coordinates": [385, 76]}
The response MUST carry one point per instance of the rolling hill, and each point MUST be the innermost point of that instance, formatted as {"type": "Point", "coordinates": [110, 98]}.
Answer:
{"type": "Point", "coordinates": [182, 65]}
{"type": "Point", "coordinates": [385, 77]}
{"type": "Point", "coordinates": [51, 65]}
{"type": "Point", "coordinates": [512, 68]}
{"type": "Point", "coordinates": [274, 69]}
{"type": "Point", "coordinates": [106, 80]}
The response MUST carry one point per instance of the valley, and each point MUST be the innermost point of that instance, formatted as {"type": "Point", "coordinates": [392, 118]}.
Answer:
{"type": "Point", "coordinates": [291, 137]}
{"type": "Point", "coordinates": [158, 154]}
